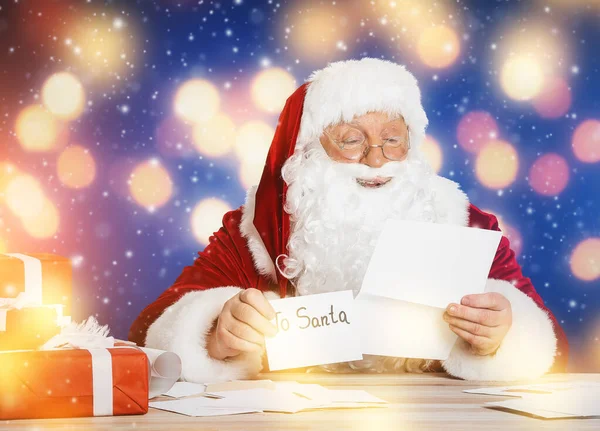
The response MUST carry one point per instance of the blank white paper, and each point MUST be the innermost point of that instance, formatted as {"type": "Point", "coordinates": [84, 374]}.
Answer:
{"type": "Point", "coordinates": [390, 327]}
{"type": "Point", "coordinates": [429, 263]}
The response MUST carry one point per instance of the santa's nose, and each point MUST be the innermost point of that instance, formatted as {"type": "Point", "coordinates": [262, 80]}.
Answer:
{"type": "Point", "coordinates": [374, 157]}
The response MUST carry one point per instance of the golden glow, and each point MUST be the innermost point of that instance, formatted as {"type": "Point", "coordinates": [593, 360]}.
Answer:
{"type": "Point", "coordinates": [529, 53]}
{"type": "Point", "coordinates": [438, 46]}
{"type": "Point", "coordinates": [497, 165]}
{"type": "Point", "coordinates": [37, 129]}
{"type": "Point", "coordinates": [216, 137]}
{"type": "Point", "coordinates": [3, 246]}
{"type": "Point", "coordinates": [585, 260]}
{"type": "Point", "coordinates": [251, 146]}
{"type": "Point", "coordinates": [253, 141]}
{"type": "Point", "coordinates": [150, 184]}
{"type": "Point", "coordinates": [45, 224]}
{"type": "Point", "coordinates": [522, 77]}
{"type": "Point", "coordinates": [24, 196]}
{"type": "Point", "coordinates": [586, 141]}
{"type": "Point", "coordinates": [197, 100]}
{"type": "Point", "coordinates": [319, 33]}
{"type": "Point", "coordinates": [63, 95]}
{"type": "Point", "coordinates": [250, 174]}
{"type": "Point", "coordinates": [206, 218]}
{"type": "Point", "coordinates": [101, 48]}
{"type": "Point", "coordinates": [76, 167]}
{"type": "Point", "coordinates": [433, 153]}
{"type": "Point", "coordinates": [271, 88]}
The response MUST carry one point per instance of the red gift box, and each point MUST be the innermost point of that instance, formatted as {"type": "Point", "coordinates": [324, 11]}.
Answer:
{"type": "Point", "coordinates": [73, 382]}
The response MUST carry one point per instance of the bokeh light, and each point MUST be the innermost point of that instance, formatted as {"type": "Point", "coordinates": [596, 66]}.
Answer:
{"type": "Point", "coordinates": [251, 146]}
{"type": "Point", "coordinates": [197, 100]}
{"type": "Point", "coordinates": [522, 77]}
{"type": "Point", "coordinates": [318, 32]}
{"type": "Point", "coordinates": [174, 138]}
{"type": "Point", "coordinates": [433, 153]}
{"type": "Point", "coordinates": [37, 129]}
{"type": "Point", "coordinates": [554, 100]}
{"type": "Point", "coordinates": [150, 184]}
{"type": "Point", "coordinates": [585, 260]}
{"type": "Point", "coordinates": [476, 129]}
{"type": "Point", "coordinates": [549, 174]}
{"type": "Point", "coordinates": [63, 95]}
{"type": "Point", "coordinates": [216, 137]}
{"type": "Point", "coordinates": [250, 174]}
{"type": "Point", "coordinates": [207, 218]}
{"type": "Point", "coordinates": [528, 54]}
{"type": "Point", "coordinates": [515, 238]}
{"type": "Point", "coordinates": [586, 141]}
{"type": "Point", "coordinates": [497, 165]}
{"type": "Point", "coordinates": [24, 196]}
{"type": "Point", "coordinates": [271, 88]}
{"type": "Point", "coordinates": [7, 172]}
{"type": "Point", "coordinates": [438, 46]}
{"type": "Point", "coordinates": [44, 224]}
{"type": "Point", "coordinates": [76, 167]}
{"type": "Point", "coordinates": [101, 48]}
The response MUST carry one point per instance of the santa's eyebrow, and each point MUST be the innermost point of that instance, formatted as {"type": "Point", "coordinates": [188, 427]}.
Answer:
{"type": "Point", "coordinates": [354, 123]}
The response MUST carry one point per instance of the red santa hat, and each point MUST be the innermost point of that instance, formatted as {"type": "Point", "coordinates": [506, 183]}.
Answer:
{"type": "Point", "coordinates": [338, 92]}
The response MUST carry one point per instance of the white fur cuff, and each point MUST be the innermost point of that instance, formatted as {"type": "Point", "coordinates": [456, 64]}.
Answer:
{"type": "Point", "coordinates": [526, 352]}
{"type": "Point", "coordinates": [182, 329]}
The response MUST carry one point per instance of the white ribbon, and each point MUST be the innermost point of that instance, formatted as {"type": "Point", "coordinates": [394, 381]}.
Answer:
{"type": "Point", "coordinates": [33, 278]}
{"type": "Point", "coordinates": [102, 382]}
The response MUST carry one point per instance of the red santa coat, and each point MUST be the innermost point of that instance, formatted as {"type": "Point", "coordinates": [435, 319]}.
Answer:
{"type": "Point", "coordinates": [242, 254]}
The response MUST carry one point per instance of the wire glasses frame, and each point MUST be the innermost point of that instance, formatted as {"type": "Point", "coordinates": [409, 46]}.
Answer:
{"type": "Point", "coordinates": [394, 148]}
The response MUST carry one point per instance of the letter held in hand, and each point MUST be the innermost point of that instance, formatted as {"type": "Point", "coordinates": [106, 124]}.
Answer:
{"type": "Point", "coordinates": [313, 330]}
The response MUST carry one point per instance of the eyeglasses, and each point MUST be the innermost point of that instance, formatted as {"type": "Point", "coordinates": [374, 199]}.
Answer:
{"type": "Point", "coordinates": [354, 146]}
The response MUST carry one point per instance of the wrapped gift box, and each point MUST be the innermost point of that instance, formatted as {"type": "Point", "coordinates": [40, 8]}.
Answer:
{"type": "Point", "coordinates": [73, 383]}
{"type": "Point", "coordinates": [44, 278]}
{"type": "Point", "coordinates": [28, 328]}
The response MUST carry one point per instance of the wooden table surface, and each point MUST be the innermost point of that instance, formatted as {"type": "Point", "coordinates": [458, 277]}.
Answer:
{"type": "Point", "coordinates": [417, 402]}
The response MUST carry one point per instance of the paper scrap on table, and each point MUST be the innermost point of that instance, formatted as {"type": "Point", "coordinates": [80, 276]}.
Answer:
{"type": "Point", "coordinates": [430, 263]}
{"type": "Point", "coordinates": [185, 389]}
{"type": "Point", "coordinates": [390, 327]}
{"type": "Point", "coordinates": [573, 403]}
{"type": "Point", "coordinates": [165, 370]}
{"type": "Point", "coordinates": [238, 385]}
{"type": "Point", "coordinates": [545, 414]}
{"type": "Point", "coordinates": [268, 400]}
{"type": "Point", "coordinates": [313, 330]}
{"type": "Point", "coordinates": [198, 407]}
{"type": "Point", "coordinates": [548, 400]}
{"type": "Point", "coordinates": [284, 397]}
{"type": "Point", "coordinates": [522, 391]}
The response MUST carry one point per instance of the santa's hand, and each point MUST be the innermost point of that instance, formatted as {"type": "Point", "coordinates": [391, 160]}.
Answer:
{"type": "Point", "coordinates": [242, 325]}
{"type": "Point", "coordinates": [482, 320]}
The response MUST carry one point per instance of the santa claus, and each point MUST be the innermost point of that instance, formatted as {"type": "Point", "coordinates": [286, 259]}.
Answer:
{"type": "Point", "coordinates": [345, 157]}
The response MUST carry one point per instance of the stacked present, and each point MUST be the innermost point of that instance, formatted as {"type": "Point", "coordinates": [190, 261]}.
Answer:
{"type": "Point", "coordinates": [48, 369]}
{"type": "Point", "coordinates": [35, 294]}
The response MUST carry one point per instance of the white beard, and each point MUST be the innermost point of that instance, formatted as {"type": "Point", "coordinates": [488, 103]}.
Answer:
{"type": "Point", "coordinates": [335, 224]}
